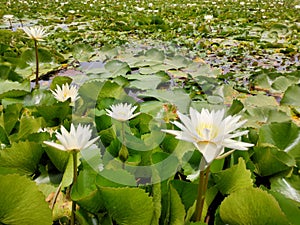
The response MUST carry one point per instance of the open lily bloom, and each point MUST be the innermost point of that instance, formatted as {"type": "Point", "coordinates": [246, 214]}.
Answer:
{"type": "Point", "coordinates": [122, 112]}
{"type": "Point", "coordinates": [208, 17]}
{"type": "Point", "coordinates": [8, 17]}
{"type": "Point", "coordinates": [210, 132]}
{"type": "Point", "coordinates": [65, 92]}
{"type": "Point", "coordinates": [36, 33]}
{"type": "Point", "coordinates": [75, 140]}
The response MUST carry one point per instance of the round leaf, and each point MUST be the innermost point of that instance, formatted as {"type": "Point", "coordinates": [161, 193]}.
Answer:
{"type": "Point", "coordinates": [251, 206]}
{"type": "Point", "coordinates": [128, 206]}
{"type": "Point", "coordinates": [23, 156]}
{"type": "Point", "coordinates": [291, 96]}
{"type": "Point", "coordinates": [234, 178]}
{"type": "Point", "coordinates": [22, 204]}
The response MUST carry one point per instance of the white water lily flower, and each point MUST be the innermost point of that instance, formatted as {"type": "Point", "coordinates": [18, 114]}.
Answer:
{"type": "Point", "coordinates": [75, 140]}
{"type": "Point", "coordinates": [210, 132]}
{"type": "Point", "coordinates": [208, 17]}
{"type": "Point", "coordinates": [8, 17]}
{"type": "Point", "coordinates": [37, 33]}
{"type": "Point", "coordinates": [65, 92]}
{"type": "Point", "coordinates": [122, 112]}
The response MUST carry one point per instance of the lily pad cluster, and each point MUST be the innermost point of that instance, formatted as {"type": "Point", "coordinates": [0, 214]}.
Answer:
{"type": "Point", "coordinates": [239, 59]}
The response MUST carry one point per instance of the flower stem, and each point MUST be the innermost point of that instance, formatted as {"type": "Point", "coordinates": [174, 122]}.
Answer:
{"type": "Point", "coordinates": [123, 153]}
{"type": "Point", "coordinates": [202, 187]}
{"type": "Point", "coordinates": [56, 195]}
{"type": "Point", "coordinates": [36, 64]}
{"type": "Point", "coordinates": [10, 24]}
{"type": "Point", "coordinates": [74, 153]}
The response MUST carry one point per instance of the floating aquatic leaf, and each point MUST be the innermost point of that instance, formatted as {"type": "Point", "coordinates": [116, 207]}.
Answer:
{"type": "Point", "coordinates": [232, 179]}
{"type": "Point", "coordinates": [123, 204]}
{"type": "Point", "coordinates": [251, 206]}
{"type": "Point", "coordinates": [14, 207]}
{"type": "Point", "coordinates": [23, 156]}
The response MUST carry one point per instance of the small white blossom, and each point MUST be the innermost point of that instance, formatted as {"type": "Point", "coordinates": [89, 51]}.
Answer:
{"type": "Point", "coordinates": [208, 17]}
{"type": "Point", "coordinates": [35, 33]}
{"type": "Point", "coordinates": [8, 17]}
{"type": "Point", "coordinates": [75, 140]}
{"type": "Point", "coordinates": [122, 112]}
{"type": "Point", "coordinates": [139, 8]}
{"type": "Point", "coordinates": [65, 92]}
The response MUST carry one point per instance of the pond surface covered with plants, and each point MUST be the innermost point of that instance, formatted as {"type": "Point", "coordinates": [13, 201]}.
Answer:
{"type": "Point", "coordinates": [149, 112]}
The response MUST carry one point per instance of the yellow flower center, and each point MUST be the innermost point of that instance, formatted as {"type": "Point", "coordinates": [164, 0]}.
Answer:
{"type": "Point", "coordinates": [207, 131]}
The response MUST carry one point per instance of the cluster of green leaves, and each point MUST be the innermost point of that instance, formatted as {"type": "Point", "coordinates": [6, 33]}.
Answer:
{"type": "Point", "coordinates": [241, 32]}
{"type": "Point", "coordinates": [256, 61]}
{"type": "Point", "coordinates": [151, 187]}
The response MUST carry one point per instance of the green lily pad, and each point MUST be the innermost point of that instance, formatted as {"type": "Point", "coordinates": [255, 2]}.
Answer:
{"type": "Point", "coordinates": [178, 62]}
{"type": "Point", "coordinates": [288, 206]}
{"type": "Point", "coordinates": [11, 117]}
{"type": "Point", "coordinates": [251, 206]}
{"type": "Point", "coordinates": [115, 68]}
{"type": "Point", "coordinates": [176, 97]}
{"type": "Point", "coordinates": [283, 82]}
{"type": "Point", "coordinates": [82, 52]}
{"type": "Point", "coordinates": [23, 156]}
{"type": "Point", "coordinates": [150, 58]}
{"type": "Point", "coordinates": [85, 191]}
{"type": "Point", "coordinates": [284, 135]}
{"type": "Point", "coordinates": [44, 55]}
{"type": "Point", "coordinates": [124, 204]}
{"type": "Point", "coordinates": [29, 125]}
{"type": "Point", "coordinates": [290, 96]}
{"type": "Point", "coordinates": [187, 192]}
{"type": "Point", "coordinates": [143, 82]}
{"type": "Point", "coordinates": [287, 186]}
{"type": "Point", "coordinates": [257, 116]}
{"type": "Point", "coordinates": [10, 89]}
{"type": "Point", "coordinates": [260, 100]}
{"type": "Point", "coordinates": [232, 179]}
{"type": "Point", "coordinates": [270, 160]}
{"type": "Point", "coordinates": [177, 211]}
{"type": "Point", "coordinates": [22, 204]}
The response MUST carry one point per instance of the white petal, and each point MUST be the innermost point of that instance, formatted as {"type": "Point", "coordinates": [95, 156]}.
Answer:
{"type": "Point", "coordinates": [209, 150]}
{"type": "Point", "coordinates": [55, 145]}
{"type": "Point", "coordinates": [233, 144]}
{"type": "Point", "coordinates": [180, 135]}
{"type": "Point", "coordinates": [186, 121]}
{"type": "Point", "coordinates": [238, 134]}
{"type": "Point", "coordinates": [89, 143]}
